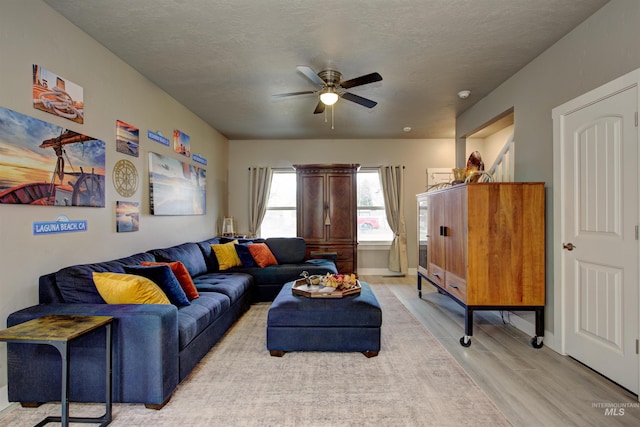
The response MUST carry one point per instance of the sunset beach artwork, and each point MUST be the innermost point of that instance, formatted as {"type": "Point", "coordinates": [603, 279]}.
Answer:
{"type": "Point", "coordinates": [47, 165]}
{"type": "Point", "coordinates": [127, 216]}
{"type": "Point", "coordinates": [181, 143]}
{"type": "Point", "coordinates": [127, 138]}
{"type": "Point", "coordinates": [175, 187]}
{"type": "Point", "coordinates": [57, 95]}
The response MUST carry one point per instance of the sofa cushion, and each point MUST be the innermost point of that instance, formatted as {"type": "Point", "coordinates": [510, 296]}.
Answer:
{"type": "Point", "coordinates": [120, 288]}
{"type": "Point", "coordinates": [226, 255]}
{"type": "Point", "coordinates": [282, 273]}
{"type": "Point", "coordinates": [202, 312]}
{"type": "Point", "coordinates": [187, 253]}
{"type": "Point", "coordinates": [163, 276]}
{"type": "Point", "coordinates": [262, 255]}
{"type": "Point", "coordinates": [288, 250]}
{"type": "Point", "coordinates": [75, 283]}
{"type": "Point", "coordinates": [183, 276]}
{"type": "Point", "coordinates": [233, 285]}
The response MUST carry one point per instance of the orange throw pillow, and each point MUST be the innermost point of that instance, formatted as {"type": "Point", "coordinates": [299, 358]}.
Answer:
{"type": "Point", "coordinates": [183, 276]}
{"type": "Point", "coordinates": [262, 254]}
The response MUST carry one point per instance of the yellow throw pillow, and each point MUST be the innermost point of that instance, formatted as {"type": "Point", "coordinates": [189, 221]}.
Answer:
{"type": "Point", "coordinates": [118, 288]}
{"type": "Point", "coordinates": [227, 255]}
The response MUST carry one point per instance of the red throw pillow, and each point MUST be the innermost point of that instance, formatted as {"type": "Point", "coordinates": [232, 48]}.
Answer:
{"type": "Point", "coordinates": [183, 276]}
{"type": "Point", "coordinates": [262, 254]}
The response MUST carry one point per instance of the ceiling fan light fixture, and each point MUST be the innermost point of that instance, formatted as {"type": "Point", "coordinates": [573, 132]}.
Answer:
{"type": "Point", "coordinates": [329, 97]}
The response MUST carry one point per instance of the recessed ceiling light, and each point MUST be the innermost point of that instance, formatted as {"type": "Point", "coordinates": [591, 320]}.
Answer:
{"type": "Point", "coordinates": [464, 94]}
{"type": "Point", "coordinates": [407, 128]}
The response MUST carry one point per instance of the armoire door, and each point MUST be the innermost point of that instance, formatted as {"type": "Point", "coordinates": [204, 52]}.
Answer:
{"type": "Point", "coordinates": [340, 196]}
{"type": "Point", "coordinates": [313, 207]}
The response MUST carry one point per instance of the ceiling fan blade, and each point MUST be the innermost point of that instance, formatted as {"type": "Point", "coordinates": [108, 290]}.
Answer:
{"type": "Point", "coordinates": [319, 108]}
{"type": "Point", "coordinates": [359, 100]}
{"type": "Point", "coordinates": [304, 92]}
{"type": "Point", "coordinates": [311, 75]}
{"type": "Point", "coordinates": [362, 80]}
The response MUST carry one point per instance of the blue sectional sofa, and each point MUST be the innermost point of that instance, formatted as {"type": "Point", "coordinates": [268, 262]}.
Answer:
{"type": "Point", "coordinates": [154, 346]}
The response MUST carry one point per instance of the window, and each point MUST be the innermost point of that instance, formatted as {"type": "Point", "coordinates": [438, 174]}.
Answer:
{"type": "Point", "coordinates": [372, 218]}
{"type": "Point", "coordinates": [280, 218]}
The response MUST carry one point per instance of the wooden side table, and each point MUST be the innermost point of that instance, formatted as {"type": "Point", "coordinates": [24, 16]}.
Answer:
{"type": "Point", "coordinates": [58, 331]}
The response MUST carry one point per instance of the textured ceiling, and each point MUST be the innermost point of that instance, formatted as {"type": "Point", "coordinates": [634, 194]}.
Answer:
{"type": "Point", "coordinates": [225, 59]}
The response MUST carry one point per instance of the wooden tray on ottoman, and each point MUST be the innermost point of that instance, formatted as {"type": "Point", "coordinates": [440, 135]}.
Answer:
{"type": "Point", "coordinates": [300, 287]}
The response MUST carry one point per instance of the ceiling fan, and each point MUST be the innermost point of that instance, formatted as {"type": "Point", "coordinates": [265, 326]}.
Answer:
{"type": "Point", "coordinates": [331, 88]}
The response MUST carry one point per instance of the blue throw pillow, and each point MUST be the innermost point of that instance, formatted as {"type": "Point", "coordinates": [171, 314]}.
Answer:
{"type": "Point", "coordinates": [209, 256]}
{"type": "Point", "coordinates": [163, 276]}
{"type": "Point", "coordinates": [245, 256]}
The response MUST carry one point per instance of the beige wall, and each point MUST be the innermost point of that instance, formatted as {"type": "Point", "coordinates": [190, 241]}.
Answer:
{"type": "Point", "coordinates": [30, 32]}
{"type": "Point", "coordinates": [601, 49]}
{"type": "Point", "coordinates": [604, 47]}
{"type": "Point", "coordinates": [415, 154]}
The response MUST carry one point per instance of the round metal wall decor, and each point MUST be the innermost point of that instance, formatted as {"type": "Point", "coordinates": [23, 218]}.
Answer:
{"type": "Point", "coordinates": [125, 178]}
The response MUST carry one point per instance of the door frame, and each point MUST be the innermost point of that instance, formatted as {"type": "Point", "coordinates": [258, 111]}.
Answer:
{"type": "Point", "coordinates": [620, 84]}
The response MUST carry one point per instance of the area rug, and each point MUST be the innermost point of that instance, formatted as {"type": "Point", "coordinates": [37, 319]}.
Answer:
{"type": "Point", "coordinates": [414, 381]}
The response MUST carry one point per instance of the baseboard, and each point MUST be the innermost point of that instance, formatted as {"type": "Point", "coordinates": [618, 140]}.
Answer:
{"type": "Point", "coordinates": [384, 272]}
{"type": "Point", "coordinates": [373, 271]}
{"type": "Point", "coordinates": [525, 321]}
{"type": "Point", "coordinates": [4, 398]}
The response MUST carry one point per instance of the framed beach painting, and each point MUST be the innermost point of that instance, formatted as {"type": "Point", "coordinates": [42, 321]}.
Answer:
{"type": "Point", "coordinates": [175, 187]}
{"type": "Point", "coordinates": [127, 216]}
{"type": "Point", "coordinates": [127, 138]}
{"type": "Point", "coordinates": [42, 164]}
{"type": "Point", "coordinates": [181, 143]}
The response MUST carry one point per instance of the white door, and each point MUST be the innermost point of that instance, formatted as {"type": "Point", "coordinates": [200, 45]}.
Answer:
{"type": "Point", "coordinates": [600, 242]}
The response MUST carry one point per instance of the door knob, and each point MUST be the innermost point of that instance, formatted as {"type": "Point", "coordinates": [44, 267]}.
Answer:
{"type": "Point", "coordinates": [568, 246]}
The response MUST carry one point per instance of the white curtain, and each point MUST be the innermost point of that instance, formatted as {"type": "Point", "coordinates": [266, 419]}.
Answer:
{"type": "Point", "coordinates": [392, 180]}
{"type": "Point", "coordinates": [259, 187]}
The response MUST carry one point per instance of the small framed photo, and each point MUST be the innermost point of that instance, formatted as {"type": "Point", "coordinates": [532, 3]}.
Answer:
{"type": "Point", "coordinates": [127, 139]}
{"type": "Point", "coordinates": [127, 216]}
{"type": "Point", "coordinates": [181, 143]}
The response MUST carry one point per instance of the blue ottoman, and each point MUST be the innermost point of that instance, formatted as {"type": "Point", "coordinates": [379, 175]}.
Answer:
{"type": "Point", "coordinates": [300, 323]}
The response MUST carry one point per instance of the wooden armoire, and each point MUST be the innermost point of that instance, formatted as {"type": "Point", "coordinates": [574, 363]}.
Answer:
{"type": "Point", "coordinates": [326, 208]}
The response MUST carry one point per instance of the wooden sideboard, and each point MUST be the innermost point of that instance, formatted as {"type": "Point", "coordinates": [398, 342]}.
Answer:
{"type": "Point", "coordinates": [482, 244]}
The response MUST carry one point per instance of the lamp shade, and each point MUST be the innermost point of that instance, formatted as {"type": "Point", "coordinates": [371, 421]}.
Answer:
{"type": "Point", "coordinates": [329, 97]}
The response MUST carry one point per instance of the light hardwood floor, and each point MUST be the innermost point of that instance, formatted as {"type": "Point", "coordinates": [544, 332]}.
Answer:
{"type": "Point", "coordinates": [531, 387]}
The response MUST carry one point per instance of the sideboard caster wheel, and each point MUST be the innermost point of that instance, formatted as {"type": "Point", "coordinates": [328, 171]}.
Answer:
{"type": "Point", "coordinates": [536, 342]}
{"type": "Point", "coordinates": [465, 341]}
